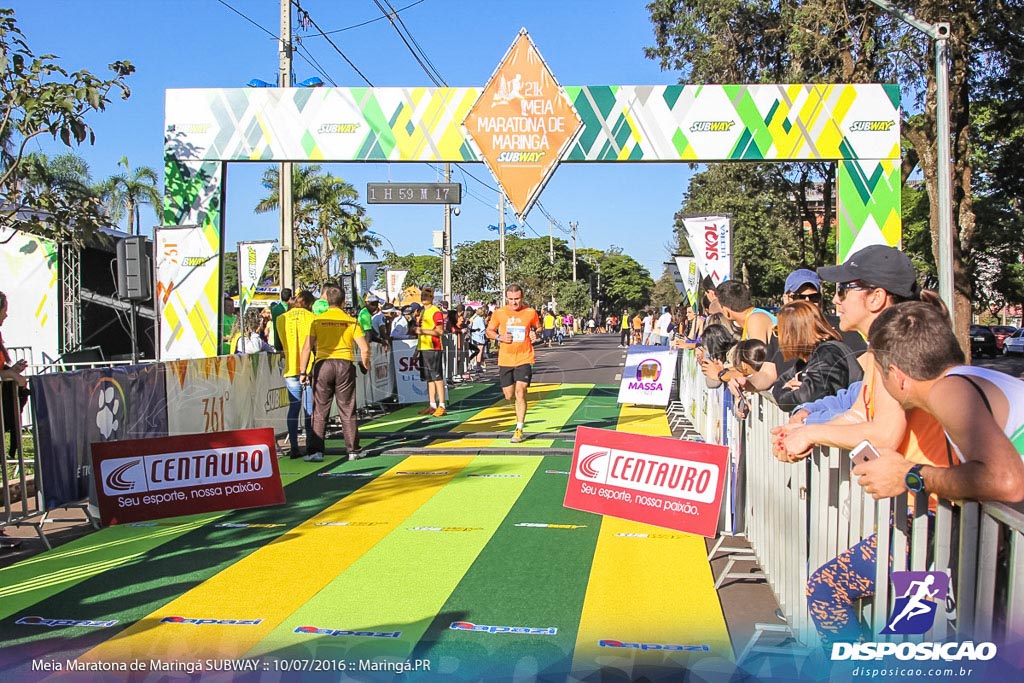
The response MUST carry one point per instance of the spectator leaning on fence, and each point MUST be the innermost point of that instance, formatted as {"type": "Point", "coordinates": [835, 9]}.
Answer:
{"type": "Point", "coordinates": [824, 364]}
{"type": "Point", "coordinates": [755, 323]}
{"type": "Point", "coordinates": [981, 410]}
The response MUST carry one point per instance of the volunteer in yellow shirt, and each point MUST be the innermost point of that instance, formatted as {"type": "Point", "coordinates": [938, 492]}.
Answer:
{"type": "Point", "coordinates": [292, 329]}
{"type": "Point", "coordinates": [331, 337]}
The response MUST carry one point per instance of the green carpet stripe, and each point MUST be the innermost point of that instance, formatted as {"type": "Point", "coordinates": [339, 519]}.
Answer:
{"type": "Point", "coordinates": [600, 410]}
{"type": "Point", "coordinates": [404, 580]}
{"type": "Point", "coordinates": [526, 576]}
{"type": "Point", "coordinates": [150, 579]}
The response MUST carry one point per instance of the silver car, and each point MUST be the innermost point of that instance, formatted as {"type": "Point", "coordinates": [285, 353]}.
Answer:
{"type": "Point", "coordinates": [1014, 343]}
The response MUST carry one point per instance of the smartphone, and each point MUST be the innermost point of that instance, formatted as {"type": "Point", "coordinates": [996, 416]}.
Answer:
{"type": "Point", "coordinates": [862, 453]}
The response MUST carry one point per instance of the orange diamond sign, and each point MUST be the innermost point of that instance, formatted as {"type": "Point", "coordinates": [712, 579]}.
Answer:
{"type": "Point", "coordinates": [522, 123]}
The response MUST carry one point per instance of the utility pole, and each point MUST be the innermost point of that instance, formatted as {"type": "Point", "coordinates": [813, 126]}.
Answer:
{"type": "Point", "coordinates": [284, 80]}
{"type": "Point", "coordinates": [939, 32]}
{"type": "Point", "coordinates": [573, 224]}
{"type": "Point", "coordinates": [447, 251]}
{"type": "Point", "coordinates": [551, 241]}
{"type": "Point", "coordinates": [501, 244]}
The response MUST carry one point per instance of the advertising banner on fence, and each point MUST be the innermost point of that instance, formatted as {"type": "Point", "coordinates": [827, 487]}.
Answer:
{"type": "Point", "coordinates": [647, 376]}
{"type": "Point", "coordinates": [655, 480]}
{"type": "Point", "coordinates": [143, 479]}
{"type": "Point", "coordinates": [187, 289]}
{"type": "Point", "coordinates": [211, 394]}
{"type": "Point", "coordinates": [710, 238]}
{"type": "Point", "coordinates": [270, 398]}
{"type": "Point", "coordinates": [411, 389]}
{"type": "Point", "coordinates": [74, 409]}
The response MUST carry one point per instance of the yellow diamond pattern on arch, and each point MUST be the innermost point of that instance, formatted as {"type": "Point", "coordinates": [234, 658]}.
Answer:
{"type": "Point", "coordinates": [522, 123]}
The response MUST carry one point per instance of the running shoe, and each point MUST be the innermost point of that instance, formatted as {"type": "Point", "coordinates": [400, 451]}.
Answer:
{"type": "Point", "coordinates": [517, 436]}
{"type": "Point", "coordinates": [314, 457]}
{"type": "Point", "coordinates": [427, 411]}
{"type": "Point", "coordinates": [440, 412]}
{"type": "Point", "coordinates": [357, 455]}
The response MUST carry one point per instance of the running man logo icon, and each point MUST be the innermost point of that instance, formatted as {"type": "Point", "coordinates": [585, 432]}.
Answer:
{"type": "Point", "coordinates": [919, 595]}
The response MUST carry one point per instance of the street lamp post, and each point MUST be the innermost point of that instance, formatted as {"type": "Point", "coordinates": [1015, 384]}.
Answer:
{"type": "Point", "coordinates": [385, 238]}
{"type": "Point", "coordinates": [939, 32]}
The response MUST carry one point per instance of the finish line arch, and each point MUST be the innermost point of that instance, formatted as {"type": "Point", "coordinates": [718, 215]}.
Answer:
{"type": "Point", "coordinates": [856, 125]}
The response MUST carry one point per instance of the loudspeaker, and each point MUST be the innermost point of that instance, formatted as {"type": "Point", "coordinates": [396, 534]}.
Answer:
{"type": "Point", "coordinates": [134, 274]}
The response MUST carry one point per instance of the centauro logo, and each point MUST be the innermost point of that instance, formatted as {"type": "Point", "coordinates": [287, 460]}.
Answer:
{"type": "Point", "coordinates": [872, 126]}
{"type": "Point", "coordinates": [520, 157]}
{"type": "Point", "coordinates": [338, 128]}
{"type": "Point", "coordinates": [194, 261]}
{"type": "Point", "coordinates": [711, 126]}
{"type": "Point", "coordinates": [192, 468]}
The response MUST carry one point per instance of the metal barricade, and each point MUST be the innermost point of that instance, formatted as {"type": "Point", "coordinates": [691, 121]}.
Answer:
{"type": "Point", "coordinates": [800, 516]}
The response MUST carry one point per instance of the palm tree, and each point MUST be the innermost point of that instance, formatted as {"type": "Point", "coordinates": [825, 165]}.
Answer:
{"type": "Point", "coordinates": [66, 173]}
{"type": "Point", "coordinates": [329, 222]}
{"type": "Point", "coordinates": [126, 192]}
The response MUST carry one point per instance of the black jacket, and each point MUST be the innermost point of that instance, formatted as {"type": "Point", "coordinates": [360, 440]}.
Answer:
{"type": "Point", "coordinates": [832, 366]}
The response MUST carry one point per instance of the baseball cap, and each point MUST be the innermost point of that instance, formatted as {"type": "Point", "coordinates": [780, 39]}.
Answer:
{"type": "Point", "coordinates": [799, 278]}
{"type": "Point", "coordinates": [371, 299]}
{"type": "Point", "coordinates": [878, 265]}
{"type": "Point", "coordinates": [413, 307]}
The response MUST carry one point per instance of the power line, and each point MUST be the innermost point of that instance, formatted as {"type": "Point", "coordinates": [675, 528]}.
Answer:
{"type": "Point", "coordinates": [434, 77]}
{"type": "Point", "coordinates": [370, 21]}
{"type": "Point", "coordinates": [265, 30]}
{"type": "Point", "coordinates": [304, 15]}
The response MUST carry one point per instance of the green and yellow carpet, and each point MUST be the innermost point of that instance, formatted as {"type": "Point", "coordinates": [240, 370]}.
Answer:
{"type": "Point", "coordinates": [467, 562]}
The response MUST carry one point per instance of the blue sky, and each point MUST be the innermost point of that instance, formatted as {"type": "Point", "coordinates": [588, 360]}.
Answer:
{"type": "Point", "coordinates": [204, 44]}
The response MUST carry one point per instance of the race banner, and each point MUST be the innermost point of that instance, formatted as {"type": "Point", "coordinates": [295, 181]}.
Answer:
{"type": "Point", "coordinates": [270, 399]}
{"type": "Point", "coordinates": [252, 258]}
{"type": "Point", "coordinates": [211, 394]}
{"type": "Point", "coordinates": [187, 292]}
{"type": "Point", "coordinates": [411, 389]}
{"type": "Point", "coordinates": [647, 376]}
{"type": "Point", "coordinates": [145, 479]}
{"type": "Point", "coordinates": [654, 480]}
{"type": "Point", "coordinates": [710, 239]}
{"type": "Point", "coordinates": [394, 280]}
{"type": "Point", "coordinates": [687, 267]}
{"type": "Point", "coordinates": [74, 409]}
{"type": "Point", "coordinates": [677, 277]}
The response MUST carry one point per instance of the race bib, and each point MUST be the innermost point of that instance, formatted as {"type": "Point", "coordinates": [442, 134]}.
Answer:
{"type": "Point", "coordinates": [518, 332]}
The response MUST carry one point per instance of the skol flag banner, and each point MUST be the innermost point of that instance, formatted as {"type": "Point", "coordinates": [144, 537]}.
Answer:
{"type": "Point", "coordinates": [656, 480]}
{"type": "Point", "coordinates": [394, 280]}
{"type": "Point", "coordinates": [710, 238]}
{"type": "Point", "coordinates": [187, 292]}
{"type": "Point", "coordinates": [647, 377]}
{"type": "Point", "coordinates": [252, 257]}
{"type": "Point", "coordinates": [687, 266]}
{"type": "Point", "coordinates": [522, 123]}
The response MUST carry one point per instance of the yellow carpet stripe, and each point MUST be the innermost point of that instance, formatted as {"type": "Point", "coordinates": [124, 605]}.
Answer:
{"type": "Point", "coordinates": [559, 400]}
{"type": "Point", "coordinates": [265, 585]}
{"type": "Point", "coordinates": [667, 573]}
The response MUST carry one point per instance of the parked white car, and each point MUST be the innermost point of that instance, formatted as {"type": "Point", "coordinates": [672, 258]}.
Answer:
{"type": "Point", "coordinates": [1014, 343]}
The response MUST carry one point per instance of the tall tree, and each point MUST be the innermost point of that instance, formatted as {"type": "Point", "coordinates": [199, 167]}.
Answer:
{"type": "Point", "coordinates": [39, 98]}
{"type": "Point", "coordinates": [125, 193]}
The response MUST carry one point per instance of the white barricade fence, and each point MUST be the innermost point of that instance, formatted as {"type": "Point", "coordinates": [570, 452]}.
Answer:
{"type": "Point", "coordinates": [211, 394]}
{"type": "Point", "coordinates": [800, 516]}
{"type": "Point", "coordinates": [270, 399]}
{"type": "Point", "coordinates": [411, 389]}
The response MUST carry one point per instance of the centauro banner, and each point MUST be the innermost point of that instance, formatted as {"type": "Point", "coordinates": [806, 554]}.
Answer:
{"type": "Point", "coordinates": [655, 480]}
{"type": "Point", "coordinates": [142, 479]}
{"type": "Point", "coordinates": [187, 292]}
{"type": "Point", "coordinates": [710, 239]}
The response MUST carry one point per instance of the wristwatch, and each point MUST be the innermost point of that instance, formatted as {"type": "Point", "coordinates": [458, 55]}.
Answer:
{"type": "Point", "coordinates": [722, 372]}
{"type": "Point", "coordinates": [914, 480]}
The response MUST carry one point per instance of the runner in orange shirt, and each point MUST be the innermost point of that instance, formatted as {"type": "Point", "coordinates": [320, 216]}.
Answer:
{"type": "Point", "coordinates": [514, 328]}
